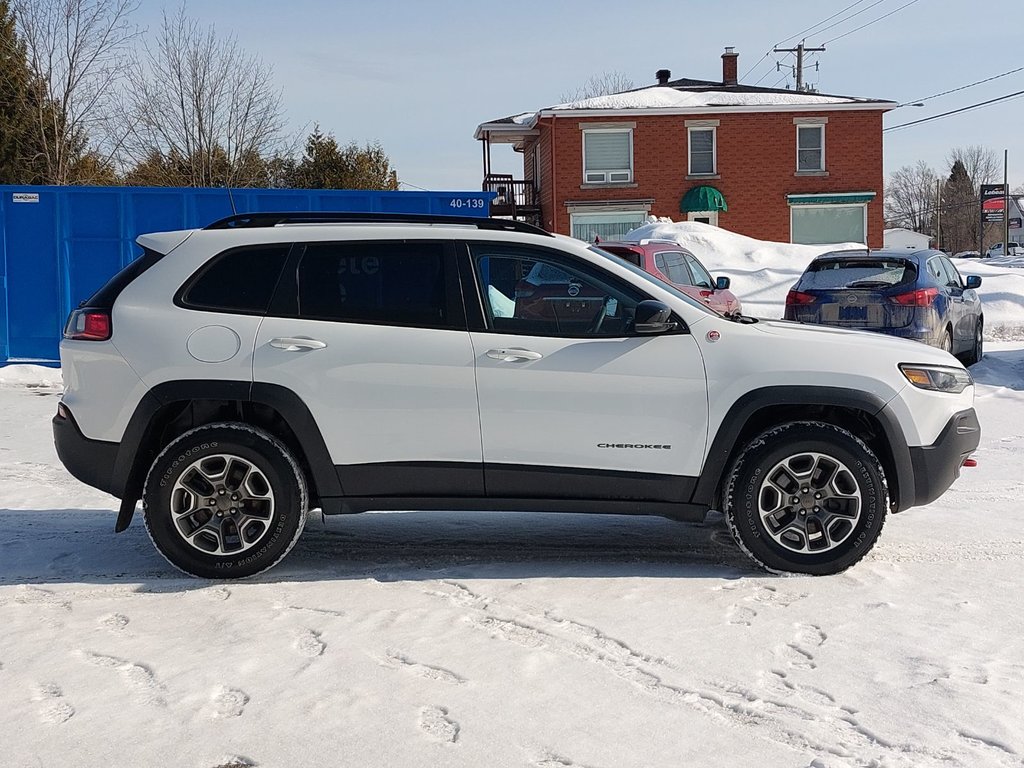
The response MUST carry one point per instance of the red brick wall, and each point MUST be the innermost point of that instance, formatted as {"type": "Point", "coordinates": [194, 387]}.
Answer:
{"type": "Point", "coordinates": [756, 162]}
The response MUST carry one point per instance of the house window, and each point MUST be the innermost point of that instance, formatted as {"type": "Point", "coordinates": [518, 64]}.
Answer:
{"type": "Point", "coordinates": [819, 224]}
{"type": "Point", "coordinates": [702, 151]}
{"type": "Point", "coordinates": [810, 148]}
{"type": "Point", "coordinates": [607, 156]}
{"type": "Point", "coordinates": [612, 225]}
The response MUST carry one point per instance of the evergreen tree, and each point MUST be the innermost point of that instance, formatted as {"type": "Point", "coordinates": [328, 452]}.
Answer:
{"type": "Point", "coordinates": [959, 210]}
{"type": "Point", "coordinates": [15, 117]}
{"type": "Point", "coordinates": [326, 165]}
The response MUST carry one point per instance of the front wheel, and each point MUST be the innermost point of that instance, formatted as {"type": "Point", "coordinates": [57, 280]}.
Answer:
{"type": "Point", "coordinates": [806, 497]}
{"type": "Point", "coordinates": [977, 351]}
{"type": "Point", "coordinates": [225, 501]}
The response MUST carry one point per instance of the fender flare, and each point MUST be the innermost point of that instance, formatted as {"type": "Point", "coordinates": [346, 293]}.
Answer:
{"type": "Point", "coordinates": [729, 431]}
{"type": "Point", "coordinates": [132, 462]}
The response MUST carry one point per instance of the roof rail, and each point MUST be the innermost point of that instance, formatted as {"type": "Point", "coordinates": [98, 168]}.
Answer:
{"type": "Point", "coordinates": [334, 217]}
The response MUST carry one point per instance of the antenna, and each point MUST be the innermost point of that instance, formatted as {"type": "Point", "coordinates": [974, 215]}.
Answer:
{"type": "Point", "coordinates": [234, 211]}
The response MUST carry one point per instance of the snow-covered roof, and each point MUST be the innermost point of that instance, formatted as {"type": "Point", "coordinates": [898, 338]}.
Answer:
{"type": "Point", "coordinates": [686, 96]}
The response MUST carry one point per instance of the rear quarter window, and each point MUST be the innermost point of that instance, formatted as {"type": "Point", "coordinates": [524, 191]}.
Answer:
{"type": "Point", "coordinates": [860, 273]}
{"type": "Point", "coordinates": [241, 281]}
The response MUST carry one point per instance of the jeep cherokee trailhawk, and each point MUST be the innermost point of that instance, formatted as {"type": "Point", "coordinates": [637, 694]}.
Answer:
{"type": "Point", "coordinates": [237, 376]}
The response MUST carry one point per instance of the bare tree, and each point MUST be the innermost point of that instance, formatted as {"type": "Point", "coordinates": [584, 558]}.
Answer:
{"type": "Point", "coordinates": [202, 110]}
{"type": "Point", "coordinates": [982, 164]}
{"type": "Point", "coordinates": [911, 197]}
{"type": "Point", "coordinates": [75, 52]}
{"type": "Point", "coordinates": [599, 85]}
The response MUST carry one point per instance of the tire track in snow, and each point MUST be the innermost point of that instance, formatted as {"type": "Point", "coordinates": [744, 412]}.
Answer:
{"type": "Point", "coordinates": [779, 721]}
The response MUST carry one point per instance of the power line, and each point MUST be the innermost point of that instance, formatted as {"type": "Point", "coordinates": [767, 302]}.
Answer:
{"type": "Point", "coordinates": [852, 15]}
{"type": "Point", "coordinates": [874, 21]}
{"type": "Point", "coordinates": [963, 87]}
{"type": "Point", "coordinates": [798, 34]}
{"type": "Point", "coordinates": [954, 111]}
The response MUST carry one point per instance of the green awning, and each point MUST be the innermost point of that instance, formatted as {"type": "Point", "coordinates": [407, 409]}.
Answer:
{"type": "Point", "coordinates": [703, 199]}
{"type": "Point", "coordinates": [836, 198]}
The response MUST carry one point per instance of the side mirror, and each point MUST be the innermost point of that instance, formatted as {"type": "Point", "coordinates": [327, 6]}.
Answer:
{"type": "Point", "coordinates": [973, 281]}
{"type": "Point", "coordinates": [722, 283]}
{"type": "Point", "coordinates": [653, 317]}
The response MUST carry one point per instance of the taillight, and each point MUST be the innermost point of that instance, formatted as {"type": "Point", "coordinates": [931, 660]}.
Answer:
{"type": "Point", "coordinates": [88, 325]}
{"type": "Point", "coordinates": [799, 297]}
{"type": "Point", "coordinates": [919, 298]}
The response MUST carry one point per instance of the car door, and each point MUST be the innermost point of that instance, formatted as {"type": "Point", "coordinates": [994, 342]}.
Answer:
{"type": "Point", "coordinates": [572, 404]}
{"type": "Point", "coordinates": [372, 337]}
{"type": "Point", "coordinates": [968, 306]}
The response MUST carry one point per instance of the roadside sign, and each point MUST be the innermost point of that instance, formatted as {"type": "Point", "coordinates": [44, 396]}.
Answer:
{"type": "Point", "coordinates": [993, 200]}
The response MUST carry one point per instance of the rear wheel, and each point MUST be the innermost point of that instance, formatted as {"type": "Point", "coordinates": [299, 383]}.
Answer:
{"type": "Point", "coordinates": [806, 497]}
{"type": "Point", "coordinates": [946, 342]}
{"type": "Point", "coordinates": [225, 501]}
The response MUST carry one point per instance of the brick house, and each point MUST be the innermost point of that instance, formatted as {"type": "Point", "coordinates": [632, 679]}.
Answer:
{"type": "Point", "coordinates": [772, 164]}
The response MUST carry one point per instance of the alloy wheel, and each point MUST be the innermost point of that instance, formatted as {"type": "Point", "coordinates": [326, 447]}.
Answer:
{"type": "Point", "coordinates": [809, 503]}
{"type": "Point", "coordinates": [222, 504]}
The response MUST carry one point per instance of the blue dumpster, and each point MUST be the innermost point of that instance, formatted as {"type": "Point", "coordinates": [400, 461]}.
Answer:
{"type": "Point", "coordinates": [60, 244]}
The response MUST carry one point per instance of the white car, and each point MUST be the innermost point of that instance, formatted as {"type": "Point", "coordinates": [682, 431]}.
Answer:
{"type": "Point", "coordinates": [235, 377]}
{"type": "Point", "coordinates": [997, 250]}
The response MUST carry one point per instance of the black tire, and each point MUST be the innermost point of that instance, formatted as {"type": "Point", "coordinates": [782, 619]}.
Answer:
{"type": "Point", "coordinates": [273, 519]}
{"type": "Point", "coordinates": [748, 486]}
{"type": "Point", "coordinates": [977, 351]}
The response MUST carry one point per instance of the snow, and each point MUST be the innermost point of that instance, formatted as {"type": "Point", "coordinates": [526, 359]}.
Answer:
{"type": "Point", "coordinates": [670, 98]}
{"type": "Point", "coordinates": [499, 639]}
{"type": "Point", "coordinates": [462, 639]}
{"type": "Point", "coordinates": [762, 272]}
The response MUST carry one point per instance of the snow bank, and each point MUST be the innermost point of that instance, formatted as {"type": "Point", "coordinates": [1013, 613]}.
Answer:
{"type": "Point", "coordinates": [762, 272]}
{"type": "Point", "coordinates": [30, 376]}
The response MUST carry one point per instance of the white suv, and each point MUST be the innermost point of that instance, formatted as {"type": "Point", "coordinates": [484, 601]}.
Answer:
{"type": "Point", "coordinates": [235, 377]}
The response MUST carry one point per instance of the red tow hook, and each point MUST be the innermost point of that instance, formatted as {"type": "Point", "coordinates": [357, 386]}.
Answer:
{"type": "Point", "coordinates": [970, 463]}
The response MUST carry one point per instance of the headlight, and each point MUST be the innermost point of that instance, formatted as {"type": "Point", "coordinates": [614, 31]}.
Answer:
{"type": "Point", "coordinates": [938, 378]}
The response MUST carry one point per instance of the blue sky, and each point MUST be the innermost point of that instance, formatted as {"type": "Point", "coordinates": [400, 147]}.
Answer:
{"type": "Point", "coordinates": [420, 76]}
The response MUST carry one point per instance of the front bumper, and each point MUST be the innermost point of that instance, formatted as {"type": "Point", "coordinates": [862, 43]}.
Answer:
{"type": "Point", "coordinates": [936, 466]}
{"type": "Point", "coordinates": [91, 461]}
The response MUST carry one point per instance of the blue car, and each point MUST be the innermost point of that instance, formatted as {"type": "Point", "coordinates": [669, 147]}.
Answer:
{"type": "Point", "coordinates": [915, 295]}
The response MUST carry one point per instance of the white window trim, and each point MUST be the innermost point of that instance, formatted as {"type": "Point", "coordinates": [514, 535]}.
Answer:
{"type": "Point", "coordinates": [623, 211]}
{"type": "Point", "coordinates": [714, 149]}
{"type": "Point", "coordinates": [821, 127]}
{"type": "Point", "coordinates": [711, 216]}
{"type": "Point", "coordinates": [607, 174]}
{"type": "Point", "coordinates": [792, 208]}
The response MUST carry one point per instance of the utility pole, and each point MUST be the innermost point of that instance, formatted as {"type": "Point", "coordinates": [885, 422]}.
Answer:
{"type": "Point", "coordinates": [938, 214]}
{"type": "Point", "coordinates": [1006, 204]}
{"type": "Point", "coordinates": [800, 50]}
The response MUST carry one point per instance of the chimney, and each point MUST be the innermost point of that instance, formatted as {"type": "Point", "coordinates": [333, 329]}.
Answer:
{"type": "Point", "coordinates": [730, 62]}
{"type": "Point", "coordinates": [663, 75]}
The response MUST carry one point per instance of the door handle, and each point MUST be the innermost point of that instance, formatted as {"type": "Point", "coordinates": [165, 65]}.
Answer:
{"type": "Point", "coordinates": [296, 344]}
{"type": "Point", "coordinates": [514, 355]}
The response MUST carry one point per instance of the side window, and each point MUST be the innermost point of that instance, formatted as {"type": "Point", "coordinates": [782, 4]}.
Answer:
{"type": "Point", "coordinates": [673, 266]}
{"type": "Point", "coordinates": [953, 277]}
{"type": "Point", "coordinates": [241, 280]}
{"type": "Point", "coordinates": [936, 271]}
{"type": "Point", "coordinates": [536, 292]}
{"type": "Point", "coordinates": [701, 278]}
{"type": "Point", "coordinates": [381, 283]}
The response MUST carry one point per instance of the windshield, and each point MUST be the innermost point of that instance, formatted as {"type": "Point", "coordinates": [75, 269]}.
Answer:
{"type": "Point", "coordinates": [857, 273]}
{"type": "Point", "coordinates": [653, 279]}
